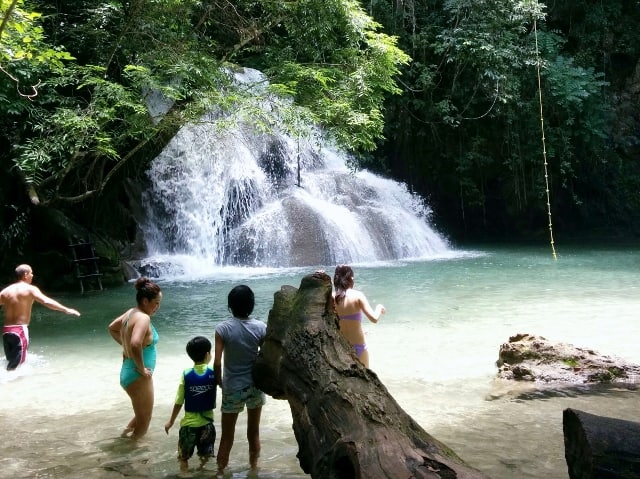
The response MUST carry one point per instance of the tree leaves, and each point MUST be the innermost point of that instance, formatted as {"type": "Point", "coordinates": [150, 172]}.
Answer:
{"type": "Point", "coordinates": [94, 112]}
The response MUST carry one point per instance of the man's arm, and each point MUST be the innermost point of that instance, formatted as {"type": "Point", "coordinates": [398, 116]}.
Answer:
{"type": "Point", "coordinates": [51, 303]}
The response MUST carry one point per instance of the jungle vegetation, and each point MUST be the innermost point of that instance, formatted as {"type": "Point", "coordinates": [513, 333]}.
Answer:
{"type": "Point", "coordinates": [441, 94]}
{"type": "Point", "coordinates": [467, 131]}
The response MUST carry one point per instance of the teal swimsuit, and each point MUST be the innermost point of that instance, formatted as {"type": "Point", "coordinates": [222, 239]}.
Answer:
{"type": "Point", "coordinates": [128, 372]}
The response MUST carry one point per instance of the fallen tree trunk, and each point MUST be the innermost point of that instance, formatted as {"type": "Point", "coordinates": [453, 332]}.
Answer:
{"type": "Point", "coordinates": [598, 447]}
{"type": "Point", "coordinates": [346, 423]}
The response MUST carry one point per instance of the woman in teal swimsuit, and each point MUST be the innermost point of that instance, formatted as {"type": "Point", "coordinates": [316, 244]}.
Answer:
{"type": "Point", "coordinates": [137, 336]}
{"type": "Point", "coordinates": [350, 305]}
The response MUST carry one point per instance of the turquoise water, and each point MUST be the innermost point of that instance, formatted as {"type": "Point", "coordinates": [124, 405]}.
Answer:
{"type": "Point", "coordinates": [435, 350]}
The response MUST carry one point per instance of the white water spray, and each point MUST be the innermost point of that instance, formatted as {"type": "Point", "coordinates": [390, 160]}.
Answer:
{"type": "Point", "coordinates": [232, 199]}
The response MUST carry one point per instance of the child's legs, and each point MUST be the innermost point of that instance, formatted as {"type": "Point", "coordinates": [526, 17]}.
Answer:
{"type": "Point", "coordinates": [253, 435]}
{"type": "Point", "coordinates": [255, 400]}
{"type": "Point", "coordinates": [228, 424]}
{"type": "Point", "coordinates": [187, 438]}
{"type": "Point", "coordinates": [205, 443]}
{"type": "Point", "coordinates": [141, 393]}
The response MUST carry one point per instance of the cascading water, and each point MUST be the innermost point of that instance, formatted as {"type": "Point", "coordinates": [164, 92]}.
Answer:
{"type": "Point", "coordinates": [245, 198]}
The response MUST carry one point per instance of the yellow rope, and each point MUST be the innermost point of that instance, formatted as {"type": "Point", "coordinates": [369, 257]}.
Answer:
{"type": "Point", "coordinates": [544, 145]}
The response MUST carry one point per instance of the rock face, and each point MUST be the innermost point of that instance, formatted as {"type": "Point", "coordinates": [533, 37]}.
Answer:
{"type": "Point", "coordinates": [49, 254]}
{"type": "Point", "coordinates": [346, 423]}
{"type": "Point", "coordinates": [533, 358]}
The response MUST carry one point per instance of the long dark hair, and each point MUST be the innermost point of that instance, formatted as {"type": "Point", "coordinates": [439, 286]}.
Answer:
{"type": "Point", "coordinates": [342, 281]}
{"type": "Point", "coordinates": [145, 288]}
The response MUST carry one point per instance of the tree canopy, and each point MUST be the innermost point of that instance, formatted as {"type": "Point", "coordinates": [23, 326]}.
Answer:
{"type": "Point", "coordinates": [467, 129]}
{"type": "Point", "coordinates": [442, 94]}
{"type": "Point", "coordinates": [91, 115]}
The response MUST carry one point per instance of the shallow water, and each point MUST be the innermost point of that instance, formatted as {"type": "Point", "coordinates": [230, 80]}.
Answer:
{"type": "Point", "coordinates": [435, 350]}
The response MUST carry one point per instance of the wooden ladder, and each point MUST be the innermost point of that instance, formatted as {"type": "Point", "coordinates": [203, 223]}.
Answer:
{"type": "Point", "coordinates": [86, 264]}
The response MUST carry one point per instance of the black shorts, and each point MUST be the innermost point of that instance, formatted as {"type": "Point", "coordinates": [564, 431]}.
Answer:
{"type": "Point", "coordinates": [15, 339]}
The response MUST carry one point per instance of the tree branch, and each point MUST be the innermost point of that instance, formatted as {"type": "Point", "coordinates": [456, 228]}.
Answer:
{"type": "Point", "coordinates": [7, 15]}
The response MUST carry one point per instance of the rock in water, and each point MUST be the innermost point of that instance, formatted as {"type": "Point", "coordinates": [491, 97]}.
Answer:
{"type": "Point", "coordinates": [532, 358]}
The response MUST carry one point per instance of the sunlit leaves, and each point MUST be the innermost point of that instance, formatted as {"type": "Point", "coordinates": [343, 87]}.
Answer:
{"type": "Point", "coordinates": [340, 66]}
{"type": "Point", "coordinates": [23, 38]}
{"type": "Point", "coordinates": [326, 62]}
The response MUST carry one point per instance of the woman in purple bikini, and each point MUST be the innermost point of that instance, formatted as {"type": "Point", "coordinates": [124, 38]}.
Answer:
{"type": "Point", "coordinates": [350, 304]}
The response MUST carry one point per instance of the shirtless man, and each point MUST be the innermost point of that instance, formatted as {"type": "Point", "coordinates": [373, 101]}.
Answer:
{"type": "Point", "coordinates": [17, 300]}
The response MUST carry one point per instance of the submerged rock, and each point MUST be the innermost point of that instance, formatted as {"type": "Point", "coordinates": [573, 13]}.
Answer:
{"type": "Point", "coordinates": [533, 358]}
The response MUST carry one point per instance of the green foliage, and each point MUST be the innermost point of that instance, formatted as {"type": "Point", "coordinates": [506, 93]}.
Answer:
{"type": "Point", "coordinates": [78, 79]}
{"type": "Point", "coordinates": [467, 131]}
{"type": "Point", "coordinates": [15, 230]}
{"type": "Point", "coordinates": [22, 37]}
{"type": "Point", "coordinates": [332, 58]}
{"type": "Point", "coordinates": [92, 114]}
{"type": "Point", "coordinates": [84, 131]}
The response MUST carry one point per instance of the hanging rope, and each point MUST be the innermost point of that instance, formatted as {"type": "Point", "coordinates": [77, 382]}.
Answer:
{"type": "Point", "coordinates": [544, 145]}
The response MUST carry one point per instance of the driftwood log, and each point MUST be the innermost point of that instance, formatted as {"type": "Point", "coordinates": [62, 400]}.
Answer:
{"type": "Point", "coordinates": [598, 447]}
{"type": "Point", "coordinates": [346, 423]}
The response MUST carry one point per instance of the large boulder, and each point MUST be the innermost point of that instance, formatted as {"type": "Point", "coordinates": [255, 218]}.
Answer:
{"type": "Point", "coordinates": [533, 358]}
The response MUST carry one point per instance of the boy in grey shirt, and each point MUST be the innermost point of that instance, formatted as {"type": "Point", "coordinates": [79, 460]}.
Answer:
{"type": "Point", "coordinates": [238, 340]}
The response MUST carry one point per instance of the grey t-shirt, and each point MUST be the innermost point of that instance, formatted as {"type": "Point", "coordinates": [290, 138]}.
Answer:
{"type": "Point", "coordinates": [242, 338]}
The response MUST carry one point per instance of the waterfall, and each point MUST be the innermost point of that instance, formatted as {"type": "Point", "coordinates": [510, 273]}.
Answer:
{"type": "Point", "coordinates": [241, 197]}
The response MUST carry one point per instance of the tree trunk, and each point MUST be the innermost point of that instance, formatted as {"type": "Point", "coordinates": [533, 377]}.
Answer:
{"type": "Point", "coordinates": [346, 423]}
{"type": "Point", "coordinates": [598, 447]}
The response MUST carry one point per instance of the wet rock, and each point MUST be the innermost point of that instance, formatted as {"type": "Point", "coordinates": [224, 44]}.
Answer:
{"type": "Point", "coordinates": [153, 268]}
{"type": "Point", "coordinates": [533, 358]}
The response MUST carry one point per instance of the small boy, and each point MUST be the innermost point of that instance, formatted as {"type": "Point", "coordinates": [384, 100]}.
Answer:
{"type": "Point", "coordinates": [197, 391]}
